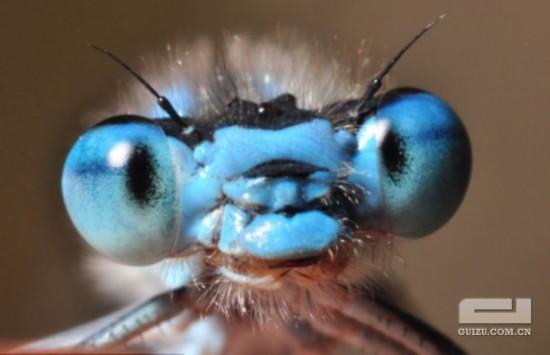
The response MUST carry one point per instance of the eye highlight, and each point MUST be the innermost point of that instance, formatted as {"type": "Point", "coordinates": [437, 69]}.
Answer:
{"type": "Point", "coordinates": [413, 163]}
{"type": "Point", "coordinates": [120, 189]}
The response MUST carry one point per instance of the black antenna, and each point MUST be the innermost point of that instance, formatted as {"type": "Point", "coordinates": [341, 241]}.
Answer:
{"type": "Point", "coordinates": [162, 101]}
{"type": "Point", "coordinates": [366, 101]}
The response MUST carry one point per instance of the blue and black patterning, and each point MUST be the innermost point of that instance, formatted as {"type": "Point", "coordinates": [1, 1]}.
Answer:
{"type": "Point", "coordinates": [262, 185]}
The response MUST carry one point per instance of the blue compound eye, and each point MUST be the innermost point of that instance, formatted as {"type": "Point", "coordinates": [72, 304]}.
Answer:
{"type": "Point", "coordinates": [119, 186]}
{"type": "Point", "coordinates": [413, 164]}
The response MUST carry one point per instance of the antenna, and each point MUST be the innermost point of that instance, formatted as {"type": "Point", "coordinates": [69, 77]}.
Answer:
{"type": "Point", "coordinates": [162, 101]}
{"type": "Point", "coordinates": [366, 102]}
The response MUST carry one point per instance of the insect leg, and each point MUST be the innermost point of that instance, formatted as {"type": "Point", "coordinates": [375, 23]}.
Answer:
{"type": "Point", "coordinates": [138, 320]}
{"type": "Point", "coordinates": [375, 327]}
{"type": "Point", "coordinates": [358, 336]}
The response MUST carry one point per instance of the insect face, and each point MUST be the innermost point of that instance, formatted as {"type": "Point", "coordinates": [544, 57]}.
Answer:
{"type": "Point", "coordinates": [264, 205]}
{"type": "Point", "coordinates": [267, 183]}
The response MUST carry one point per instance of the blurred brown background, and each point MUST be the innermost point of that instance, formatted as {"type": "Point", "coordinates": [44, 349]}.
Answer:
{"type": "Point", "coordinates": [490, 59]}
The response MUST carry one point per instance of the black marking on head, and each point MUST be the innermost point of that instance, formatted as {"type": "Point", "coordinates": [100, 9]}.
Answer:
{"type": "Point", "coordinates": [282, 168]}
{"type": "Point", "coordinates": [240, 111]}
{"type": "Point", "coordinates": [285, 102]}
{"type": "Point", "coordinates": [124, 119]}
{"type": "Point", "coordinates": [276, 114]}
{"type": "Point", "coordinates": [342, 112]}
{"type": "Point", "coordinates": [394, 155]}
{"type": "Point", "coordinates": [268, 111]}
{"type": "Point", "coordinates": [171, 128]}
{"type": "Point", "coordinates": [142, 179]}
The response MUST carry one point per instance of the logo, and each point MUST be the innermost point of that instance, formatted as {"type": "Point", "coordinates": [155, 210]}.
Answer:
{"type": "Point", "coordinates": [494, 311]}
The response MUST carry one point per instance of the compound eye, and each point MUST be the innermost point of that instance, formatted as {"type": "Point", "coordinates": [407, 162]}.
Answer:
{"type": "Point", "coordinates": [119, 187]}
{"type": "Point", "coordinates": [413, 163]}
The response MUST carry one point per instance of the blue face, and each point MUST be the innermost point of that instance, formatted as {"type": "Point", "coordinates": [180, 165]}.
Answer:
{"type": "Point", "coordinates": [282, 187]}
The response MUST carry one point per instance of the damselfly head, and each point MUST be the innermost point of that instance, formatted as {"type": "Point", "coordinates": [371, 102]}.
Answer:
{"type": "Point", "coordinates": [250, 171]}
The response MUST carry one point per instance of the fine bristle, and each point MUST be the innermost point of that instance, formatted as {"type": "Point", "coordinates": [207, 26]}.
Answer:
{"type": "Point", "coordinates": [201, 78]}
